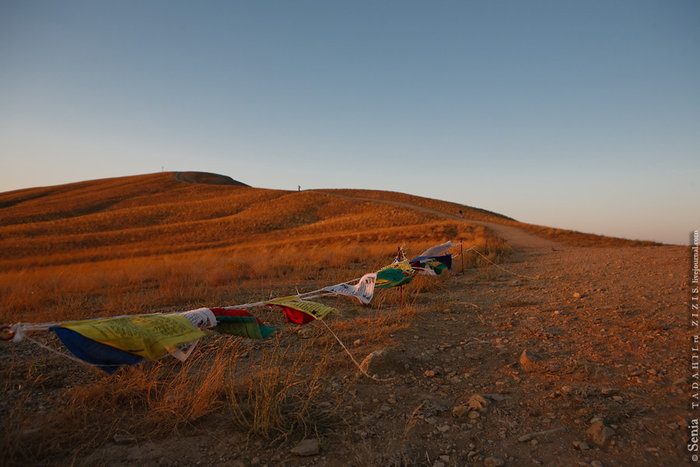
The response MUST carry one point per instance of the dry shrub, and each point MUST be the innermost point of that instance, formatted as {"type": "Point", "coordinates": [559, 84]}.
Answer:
{"type": "Point", "coordinates": [147, 401]}
{"type": "Point", "coordinates": [485, 252]}
{"type": "Point", "coordinates": [274, 397]}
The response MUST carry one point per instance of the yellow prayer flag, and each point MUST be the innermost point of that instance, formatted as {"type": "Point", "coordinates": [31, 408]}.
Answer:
{"type": "Point", "coordinates": [315, 309]}
{"type": "Point", "coordinates": [152, 336]}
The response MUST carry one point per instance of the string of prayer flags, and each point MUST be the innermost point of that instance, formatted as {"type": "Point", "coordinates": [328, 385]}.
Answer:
{"type": "Point", "coordinates": [240, 323]}
{"type": "Point", "coordinates": [363, 290]}
{"type": "Point", "coordinates": [110, 343]}
{"type": "Point", "coordinates": [300, 311]}
{"type": "Point", "coordinates": [395, 275]}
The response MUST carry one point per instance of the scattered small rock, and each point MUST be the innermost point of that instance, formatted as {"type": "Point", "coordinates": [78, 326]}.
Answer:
{"type": "Point", "coordinates": [477, 402]}
{"type": "Point", "coordinates": [596, 463]}
{"type": "Point", "coordinates": [357, 342]}
{"type": "Point", "coordinates": [577, 295]}
{"type": "Point", "coordinates": [566, 390]}
{"type": "Point", "coordinates": [529, 360]}
{"type": "Point", "coordinates": [382, 362]}
{"type": "Point", "coordinates": [429, 373]}
{"type": "Point", "coordinates": [460, 411]}
{"type": "Point", "coordinates": [306, 448]}
{"type": "Point", "coordinates": [600, 434]}
{"type": "Point", "coordinates": [581, 445]}
{"type": "Point", "coordinates": [494, 462]}
{"type": "Point", "coordinates": [123, 438]}
{"type": "Point", "coordinates": [495, 397]}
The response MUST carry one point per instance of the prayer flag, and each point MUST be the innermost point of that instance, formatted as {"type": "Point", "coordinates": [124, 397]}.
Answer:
{"type": "Point", "coordinates": [437, 264]}
{"type": "Point", "coordinates": [240, 323]}
{"type": "Point", "coordinates": [395, 275]}
{"type": "Point", "coordinates": [152, 336]}
{"type": "Point", "coordinates": [439, 250]}
{"type": "Point", "coordinates": [105, 357]}
{"type": "Point", "coordinates": [300, 311]}
{"type": "Point", "coordinates": [363, 290]}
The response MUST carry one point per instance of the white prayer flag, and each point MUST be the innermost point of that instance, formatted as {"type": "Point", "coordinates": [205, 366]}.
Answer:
{"type": "Point", "coordinates": [363, 290]}
{"type": "Point", "coordinates": [438, 250]}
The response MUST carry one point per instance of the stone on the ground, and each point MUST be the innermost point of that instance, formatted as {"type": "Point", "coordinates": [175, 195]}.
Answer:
{"type": "Point", "coordinates": [600, 434]}
{"type": "Point", "coordinates": [123, 438]}
{"type": "Point", "coordinates": [529, 360]}
{"type": "Point", "coordinates": [308, 447]}
{"type": "Point", "coordinates": [581, 445]}
{"type": "Point", "coordinates": [460, 411]}
{"type": "Point", "coordinates": [382, 362]}
{"type": "Point", "coordinates": [494, 462]}
{"type": "Point", "coordinates": [477, 402]}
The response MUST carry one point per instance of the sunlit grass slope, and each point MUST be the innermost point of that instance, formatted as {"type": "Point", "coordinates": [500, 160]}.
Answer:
{"type": "Point", "coordinates": [134, 244]}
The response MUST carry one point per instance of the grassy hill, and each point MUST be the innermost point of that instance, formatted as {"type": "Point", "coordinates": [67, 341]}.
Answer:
{"type": "Point", "coordinates": [131, 244]}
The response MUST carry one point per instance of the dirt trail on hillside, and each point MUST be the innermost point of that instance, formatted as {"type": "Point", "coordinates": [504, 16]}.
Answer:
{"type": "Point", "coordinates": [516, 237]}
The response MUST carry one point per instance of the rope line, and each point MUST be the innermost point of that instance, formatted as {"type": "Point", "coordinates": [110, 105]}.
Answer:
{"type": "Point", "coordinates": [359, 367]}
{"type": "Point", "coordinates": [65, 355]}
{"type": "Point", "coordinates": [499, 266]}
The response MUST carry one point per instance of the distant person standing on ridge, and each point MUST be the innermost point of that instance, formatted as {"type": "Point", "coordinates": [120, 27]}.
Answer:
{"type": "Point", "coordinates": [298, 187]}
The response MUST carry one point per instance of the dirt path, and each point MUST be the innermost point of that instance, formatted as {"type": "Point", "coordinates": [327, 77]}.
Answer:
{"type": "Point", "coordinates": [603, 380]}
{"type": "Point", "coordinates": [516, 237]}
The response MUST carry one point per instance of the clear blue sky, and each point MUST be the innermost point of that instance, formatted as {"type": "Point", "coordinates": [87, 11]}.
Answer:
{"type": "Point", "coordinates": [575, 114]}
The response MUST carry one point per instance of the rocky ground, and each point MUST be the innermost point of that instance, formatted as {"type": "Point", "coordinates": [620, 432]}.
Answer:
{"type": "Point", "coordinates": [565, 356]}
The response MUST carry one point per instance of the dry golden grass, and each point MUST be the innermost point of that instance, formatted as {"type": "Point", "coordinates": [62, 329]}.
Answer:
{"type": "Point", "coordinates": [573, 238]}
{"type": "Point", "coordinates": [429, 203]}
{"type": "Point", "coordinates": [146, 243]}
